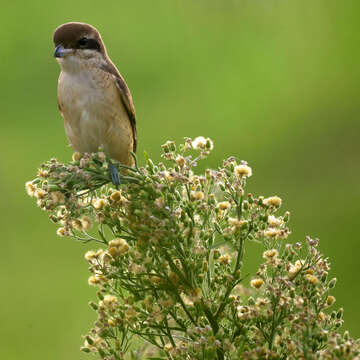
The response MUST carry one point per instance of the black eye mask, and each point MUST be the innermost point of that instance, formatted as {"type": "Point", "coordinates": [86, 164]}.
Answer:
{"type": "Point", "coordinates": [86, 43]}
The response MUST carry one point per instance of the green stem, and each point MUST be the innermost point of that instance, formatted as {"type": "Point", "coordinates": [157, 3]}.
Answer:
{"type": "Point", "coordinates": [169, 333]}
{"type": "Point", "coordinates": [184, 308]}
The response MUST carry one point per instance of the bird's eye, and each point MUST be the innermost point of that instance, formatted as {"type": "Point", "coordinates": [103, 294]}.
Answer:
{"type": "Point", "coordinates": [83, 42]}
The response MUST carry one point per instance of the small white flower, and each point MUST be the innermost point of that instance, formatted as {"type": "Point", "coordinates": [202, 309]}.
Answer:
{"type": "Point", "coordinates": [61, 232]}
{"type": "Point", "coordinates": [272, 201]}
{"type": "Point", "coordinates": [243, 170]}
{"type": "Point", "coordinates": [99, 203]}
{"type": "Point", "coordinates": [257, 283]}
{"type": "Point", "coordinates": [269, 254]}
{"type": "Point", "coordinates": [274, 221]}
{"type": "Point", "coordinates": [272, 233]}
{"type": "Point", "coordinates": [200, 143]}
{"type": "Point", "coordinates": [197, 195]}
{"type": "Point", "coordinates": [224, 205]}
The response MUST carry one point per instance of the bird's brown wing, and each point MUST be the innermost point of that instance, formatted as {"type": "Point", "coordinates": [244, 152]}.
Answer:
{"type": "Point", "coordinates": [59, 104]}
{"type": "Point", "coordinates": [125, 97]}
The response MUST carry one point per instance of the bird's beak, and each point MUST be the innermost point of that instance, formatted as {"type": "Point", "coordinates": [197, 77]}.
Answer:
{"type": "Point", "coordinates": [61, 52]}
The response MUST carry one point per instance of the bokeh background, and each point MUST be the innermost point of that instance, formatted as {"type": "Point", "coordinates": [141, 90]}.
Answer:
{"type": "Point", "coordinates": [273, 82]}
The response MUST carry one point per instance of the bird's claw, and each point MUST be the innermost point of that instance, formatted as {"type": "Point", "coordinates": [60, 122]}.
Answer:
{"type": "Point", "coordinates": [114, 173]}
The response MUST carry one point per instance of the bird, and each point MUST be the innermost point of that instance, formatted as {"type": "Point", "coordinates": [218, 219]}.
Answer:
{"type": "Point", "coordinates": [93, 98]}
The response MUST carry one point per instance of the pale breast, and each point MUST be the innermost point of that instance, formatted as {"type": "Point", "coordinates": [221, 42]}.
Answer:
{"type": "Point", "coordinates": [93, 113]}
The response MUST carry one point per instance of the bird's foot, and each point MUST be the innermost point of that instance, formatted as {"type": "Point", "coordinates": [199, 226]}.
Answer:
{"type": "Point", "coordinates": [114, 173]}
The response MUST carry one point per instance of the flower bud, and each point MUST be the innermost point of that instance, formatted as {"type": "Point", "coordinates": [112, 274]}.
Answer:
{"type": "Point", "coordinates": [330, 300]}
{"type": "Point", "coordinates": [89, 339]}
{"type": "Point", "coordinates": [340, 313]}
{"type": "Point", "coordinates": [251, 301]}
{"type": "Point", "coordinates": [205, 266]}
{"type": "Point", "coordinates": [332, 283]}
{"type": "Point", "coordinates": [245, 205]}
{"type": "Point", "coordinates": [165, 148]}
{"type": "Point", "coordinates": [180, 161]}
{"type": "Point", "coordinates": [286, 216]}
{"type": "Point", "coordinates": [172, 145]}
{"type": "Point", "coordinates": [101, 352]}
{"type": "Point", "coordinates": [76, 156]}
{"type": "Point", "coordinates": [209, 144]}
{"type": "Point", "coordinates": [53, 218]}
{"type": "Point", "coordinates": [216, 254]}
{"type": "Point", "coordinates": [93, 305]}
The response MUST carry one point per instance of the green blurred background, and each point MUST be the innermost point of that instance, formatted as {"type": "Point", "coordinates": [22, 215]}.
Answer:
{"type": "Point", "coordinates": [273, 82]}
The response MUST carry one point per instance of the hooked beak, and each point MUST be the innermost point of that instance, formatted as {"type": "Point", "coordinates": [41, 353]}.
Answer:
{"type": "Point", "coordinates": [61, 52]}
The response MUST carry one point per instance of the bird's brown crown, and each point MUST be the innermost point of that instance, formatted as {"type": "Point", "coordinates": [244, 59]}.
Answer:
{"type": "Point", "coordinates": [76, 35]}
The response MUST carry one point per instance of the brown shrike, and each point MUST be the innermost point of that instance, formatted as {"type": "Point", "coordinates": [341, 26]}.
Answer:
{"type": "Point", "coordinates": [93, 97]}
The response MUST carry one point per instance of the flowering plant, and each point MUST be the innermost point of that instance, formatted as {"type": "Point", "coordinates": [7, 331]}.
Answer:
{"type": "Point", "coordinates": [169, 271]}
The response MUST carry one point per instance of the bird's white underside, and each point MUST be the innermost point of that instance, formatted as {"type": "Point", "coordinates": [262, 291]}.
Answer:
{"type": "Point", "coordinates": [90, 105]}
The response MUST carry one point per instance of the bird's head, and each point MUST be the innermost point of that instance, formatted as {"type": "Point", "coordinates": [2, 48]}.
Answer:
{"type": "Point", "coordinates": [78, 44]}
